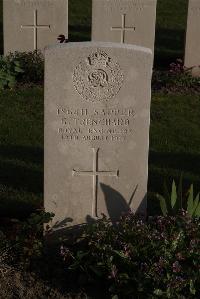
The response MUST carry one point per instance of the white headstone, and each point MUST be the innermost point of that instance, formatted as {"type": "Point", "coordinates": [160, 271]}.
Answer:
{"type": "Point", "coordinates": [97, 115]}
{"type": "Point", "coordinates": [192, 48]}
{"type": "Point", "coordinates": [125, 21]}
{"type": "Point", "coordinates": [33, 24]}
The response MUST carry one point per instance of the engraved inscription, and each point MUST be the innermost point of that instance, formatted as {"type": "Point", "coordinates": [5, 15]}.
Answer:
{"type": "Point", "coordinates": [34, 3]}
{"type": "Point", "coordinates": [35, 28]}
{"type": "Point", "coordinates": [127, 5]}
{"type": "Point", "coordinates": [105, 125]}
{"type": "Point", "coordinates": [95, 173]}
{"type": "Point", "coordinates": [98, 77]}
{"type": "Point", "coordinates": [123, 28]}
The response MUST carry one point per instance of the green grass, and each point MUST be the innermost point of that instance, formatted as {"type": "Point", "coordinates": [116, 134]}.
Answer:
{"type": "Point", "coordinates": [174, 142]}
{"type": "Point", "coordinates": [170, 31]}
{"type": "Point", "coordinates": [174, 146]}
{"type": "Point", "coordinates": [170, 28]}
{"type": "Point", "coordinates": [21, 151]}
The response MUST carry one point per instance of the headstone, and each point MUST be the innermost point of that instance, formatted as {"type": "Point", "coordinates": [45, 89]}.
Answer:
{"type": "Point", "coordinates": [192, 48]}
{"type": "Point", "coordinates": [97, 114]}
{"type": "Point", "coordinates": [33, 24]}
{"type": "Point", "coordinates": [125, 21]}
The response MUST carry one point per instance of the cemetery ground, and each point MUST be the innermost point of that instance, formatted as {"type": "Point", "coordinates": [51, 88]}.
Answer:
{"type": "Point", "coordinates": [174, 150]}
{"type": "Point", "coordinates": [171, 153]}
{"type": "Point", "coordinates": [174, 147]}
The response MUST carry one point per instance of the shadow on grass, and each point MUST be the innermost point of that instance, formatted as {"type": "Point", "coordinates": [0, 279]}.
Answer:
{"type": "Point", "coordinates": [169, 45]}
{"type": "Point", "coordinates": [20, 176]}
{"type": "Point", "coordinates": [22, 153]}
{"type": "Point", "coordinates": [79, 33]}
{"type": "Point", "coordinates": [11, 208]}
{"type": "Point", "coordinates": [17, 169]}
{"type": "Point", "coordinates": [21, 180]}
{"type": "Point", "coordinates": [184, 161]}
{"type": "Point", "coordinates": [1, 27]}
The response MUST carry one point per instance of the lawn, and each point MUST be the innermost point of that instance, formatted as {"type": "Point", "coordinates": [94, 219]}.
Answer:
{"type": "Point", "coordinates": [174, 146]}
{"type": "Point", "coordinates": [170, 28]}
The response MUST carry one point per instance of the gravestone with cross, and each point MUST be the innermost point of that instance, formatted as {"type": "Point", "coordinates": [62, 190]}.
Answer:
{"type": "Point", "coordinates": [125, 21]}
{"type": "Point", "coordinates": [97, 114]}
{"type": "Point", "coordinates": [33, 24]}
{"type": "Point", "coordinates": [192, 47]}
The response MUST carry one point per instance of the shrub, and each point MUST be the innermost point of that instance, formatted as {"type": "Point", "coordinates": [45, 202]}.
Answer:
{"type": "Point", "coordinates": [177, 79]}
{"type": "Point", "coordinates": [32, 64]}
{"type": "Point", "coordinates": [158, 259]}
{"type": "Point", "coordinates": [10, 69]}
{"type": "Point", "coordinates": [25, 238]}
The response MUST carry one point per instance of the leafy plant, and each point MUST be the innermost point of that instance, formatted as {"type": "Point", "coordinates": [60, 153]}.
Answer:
{"type": "Point", "coordinates": [172, 203]}
{"type": "Point", "coordinates": [177, 79]}
{"type": "Point", "coordinates": [133, 259]}
{"type": "Point", "coordinates": [26, 237]}
{"type": "Point", "coordinates": [9, 72]}
{"type": "Point", "coordinates": [32, 64]}
{"type": "Point", "coordinates": [29, 236]}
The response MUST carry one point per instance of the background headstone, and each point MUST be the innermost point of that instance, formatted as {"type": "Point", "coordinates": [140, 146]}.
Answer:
{"type": "Point", "coordinates": [97, 115]}
{"type": "Point", "coordinates": [192, 48]}
{"type": "Point", "coordinates": [125, 21]}
{"type": "Point", "coordinates": [33, 24]}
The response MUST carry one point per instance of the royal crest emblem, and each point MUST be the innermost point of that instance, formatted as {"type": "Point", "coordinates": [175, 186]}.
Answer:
{"type": "Point", "coordinates": [98, 77]}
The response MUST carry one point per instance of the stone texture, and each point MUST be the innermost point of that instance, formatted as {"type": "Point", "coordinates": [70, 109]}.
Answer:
{"type": "Point", "coordinates": [137, 17]}
{"type": "Point", "coordinates": [192, 48]}
{"type": "Point", "coordinates": [97, 114]}
{"type": "Point", "coordinates": [33, 24]}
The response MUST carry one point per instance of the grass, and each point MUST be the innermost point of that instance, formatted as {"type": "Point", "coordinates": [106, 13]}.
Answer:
{"type": "Point", "coordinates": [170, 27]}
{"type": "Point", "coordinates": [21, 151]}
{"type": "Point", "coordinates": [174, 143]}
{"type": "Point", "coordinates": [174, 147]}
{"type": "Point", "coordinates": [170, 31]}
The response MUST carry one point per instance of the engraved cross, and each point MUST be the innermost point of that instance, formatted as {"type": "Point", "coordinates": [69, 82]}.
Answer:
{"type": "Point", "coordinates": [95, 173]}
{"type": "Point", "coordinates": [35, 28]}
{"type": "Point", "coordinates": [123, 28]}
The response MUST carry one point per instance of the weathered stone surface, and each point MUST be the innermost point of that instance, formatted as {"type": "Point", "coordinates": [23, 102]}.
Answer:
{"type": "Point", "coordinates": [33, 24]}
{"type": "Point", "coordinates": [97, 114]}
{"type": "Point", "coordinates": [192, 48]}
{"type": "Point", "coordinates": [125, 21]}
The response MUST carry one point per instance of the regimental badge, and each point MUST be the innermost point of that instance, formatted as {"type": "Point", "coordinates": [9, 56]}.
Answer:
{"type": "Point", "coordinates": [98, 77]}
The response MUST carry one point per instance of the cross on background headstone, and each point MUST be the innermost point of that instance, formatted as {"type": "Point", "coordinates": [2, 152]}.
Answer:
{"type": "Point", "coordinates": [123, 29]}
{"type": "Point", "coordinates": [35, 27]}
{"type": "Point", "coordinates": [95, 173]}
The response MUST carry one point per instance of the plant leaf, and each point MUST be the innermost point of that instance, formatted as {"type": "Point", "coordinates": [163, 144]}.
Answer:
{"type": "Point", "coordinates": [192, 288]}
{"type": "Point", "coordinates": [180, 192]}
{"type": "Point", "coordinates": [173, 195]}
{"type": "Point", "coordinates": [190, 200]}
{"type": "Point", "coordinates": [195, 204]}
{"type": "Point", "coordinates": [120, 253]}
{"type": "Point", "coordinates": [158, 292]}
{"type": "Point", "coordinates": [163, 204]}
{"type": "Point", "coordinates": [197, 212]}
{"type": "Point", "coordinates": [96, 271]}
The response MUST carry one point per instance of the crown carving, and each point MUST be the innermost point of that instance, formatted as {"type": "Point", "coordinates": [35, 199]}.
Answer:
{"type": "Point", "coordinates": [99, 58]}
